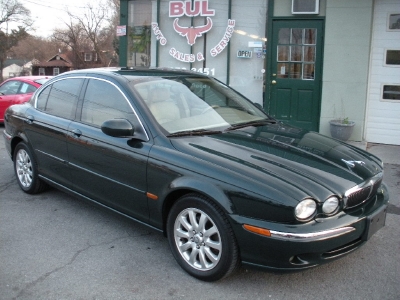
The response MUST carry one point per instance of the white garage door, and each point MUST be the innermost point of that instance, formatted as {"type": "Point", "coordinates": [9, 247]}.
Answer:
{"type": "Point", "coordinates": [383, 110]}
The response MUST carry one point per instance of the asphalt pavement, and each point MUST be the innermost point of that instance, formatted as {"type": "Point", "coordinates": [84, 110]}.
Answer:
{"type": "Point", "coordinates": [54, 246]}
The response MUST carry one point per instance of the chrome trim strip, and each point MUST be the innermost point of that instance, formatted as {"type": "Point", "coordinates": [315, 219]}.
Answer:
{"type": "Point", "coordinates": [80, 76]}
{"type": "Point", "coordinates": [289, 236]}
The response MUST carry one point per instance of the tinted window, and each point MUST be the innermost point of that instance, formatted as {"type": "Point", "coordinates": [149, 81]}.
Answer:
{"type": "Point", "coordinates": [63, 98]}
{"type": "Point", "coordinates": [42, 98]}
{"type": "Point", "coordinates": [102, 102]}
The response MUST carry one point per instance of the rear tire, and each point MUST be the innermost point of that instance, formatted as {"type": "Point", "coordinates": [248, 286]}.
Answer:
{"type": "Point", "coordinates": [25, 168]}
{"type": "Point", "coordinates": [201, 238]}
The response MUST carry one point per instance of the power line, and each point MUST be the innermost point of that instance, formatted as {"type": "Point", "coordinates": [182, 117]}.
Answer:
{"type": "Point", "coordinates": [52, 7]}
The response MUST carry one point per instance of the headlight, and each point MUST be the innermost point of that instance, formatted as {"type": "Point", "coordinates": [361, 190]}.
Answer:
{"type": "Point", "coordinates": [305, 209]}
{"type": "Point", "coordinates": [330, 205]}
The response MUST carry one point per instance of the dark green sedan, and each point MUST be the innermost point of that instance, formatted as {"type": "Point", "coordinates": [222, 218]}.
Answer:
{"type": "Point", "coordinates": [190, 157]}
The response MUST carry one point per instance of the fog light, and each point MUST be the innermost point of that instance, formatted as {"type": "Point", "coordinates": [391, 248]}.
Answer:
{"type": "Point", "coordinates": [330, 205]}
{"type": "Point", "coordinates": [305, 209]}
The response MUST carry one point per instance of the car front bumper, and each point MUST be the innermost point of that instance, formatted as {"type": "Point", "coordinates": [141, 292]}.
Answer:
{"type": "Point", "coordinates": [295, 247]}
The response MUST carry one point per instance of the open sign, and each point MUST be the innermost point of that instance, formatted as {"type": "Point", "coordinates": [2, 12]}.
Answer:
{"type": "Point", "coordinates": [244, 54]}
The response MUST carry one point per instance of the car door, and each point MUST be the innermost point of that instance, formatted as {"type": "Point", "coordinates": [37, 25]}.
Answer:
{"type": "Point", "coordinates": [108, 169]}
{"type": "Point", "coordinates": [47, 128]}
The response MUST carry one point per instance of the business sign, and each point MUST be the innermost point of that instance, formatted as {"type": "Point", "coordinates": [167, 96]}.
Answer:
{"type": "Point", "coordinates": [121, 30]}
{"type": "Point", "coordinates": [244, 54]}
{"type": "Point", "coordinates": [191, 9]}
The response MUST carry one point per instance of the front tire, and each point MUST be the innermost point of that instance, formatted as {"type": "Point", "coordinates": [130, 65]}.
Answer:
{"type": "Point", "coordinates": [26, 170]}
{"type": "Point", "coordinates": [201, 238]}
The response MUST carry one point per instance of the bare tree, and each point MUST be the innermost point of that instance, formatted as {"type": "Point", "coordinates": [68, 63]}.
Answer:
{"type": "Point", "coordinates": [34, 47]}
{"type": "Point", "coordinates": [91, 32]}
{"type": "Point", "coordinates": [14, 22]}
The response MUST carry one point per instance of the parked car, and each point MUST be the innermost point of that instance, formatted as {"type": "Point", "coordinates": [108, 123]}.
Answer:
{"type": "Point", "coordinates": [18, 90]}
{"type": "Point", "coordinates": [190, 157]}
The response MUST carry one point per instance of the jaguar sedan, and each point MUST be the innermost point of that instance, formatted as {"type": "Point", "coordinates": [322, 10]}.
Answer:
{"type": "Point", "coordinates": [18, 90]}
{"type": "Point", "coordinates": [192, 158]}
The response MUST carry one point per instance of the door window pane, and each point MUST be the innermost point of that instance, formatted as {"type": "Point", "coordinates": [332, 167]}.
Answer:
{"type": "Point", "coordinates": [63, 98]}
{"type": "Point", "coordinates": [300, 53]}
{"type": "Point", "coordinates": [296, 71]}
{"type": "Point", "coordinates": [296, 53]}
{"type": "Point", "coordinates": [283, 70]}
{"type": "Point", "coordinates": [309, 53]}
{"type": "Point", "coordinates": [103, 102]}
{"type": "Point", "coordinates": [10, 87]}
{"type": "Point", "coordinates": [310, 35]}
{"type": "Point", "coordinates": [308, 71]}
{"type": "Point", "coordinates": [283, 53]}
{"type": "Point", "coordinates": [297, 36]}
{"type": "Point", "coordinates": [284, 36]}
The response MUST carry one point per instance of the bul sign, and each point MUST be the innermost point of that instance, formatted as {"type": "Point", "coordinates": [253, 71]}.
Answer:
{"type": "Point", "coordinates": [192, 9]}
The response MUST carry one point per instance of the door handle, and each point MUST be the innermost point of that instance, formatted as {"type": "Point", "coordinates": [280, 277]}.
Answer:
{"type": "Point", "coordinates": [29, 119]}
{"type": "Point", "coordinates": [273, 82]}
{"type": "Point", "coordinates": [77, 133]}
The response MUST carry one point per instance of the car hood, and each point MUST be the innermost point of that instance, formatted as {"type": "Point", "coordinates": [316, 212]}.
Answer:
{"type": "Point", "coordinates": [280, 155]}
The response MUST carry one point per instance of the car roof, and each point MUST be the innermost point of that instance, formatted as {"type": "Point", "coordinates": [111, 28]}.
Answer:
{"type": "Point", "coordinates": [137, 71]}
{"type": "Point", "coordinates": [28, 78]}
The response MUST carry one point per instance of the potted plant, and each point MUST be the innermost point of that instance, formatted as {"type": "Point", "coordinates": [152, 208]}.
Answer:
{"type": "Point", "coordinates": [341, 129]}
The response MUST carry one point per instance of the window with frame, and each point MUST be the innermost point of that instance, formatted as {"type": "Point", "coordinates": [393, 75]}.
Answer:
{"type": "Point", "coordinates": [56, 71]}
{"type": "Point", "coordinates": [394, 21]}
{"type": "Point", "coordinates": [88, 56]}
{"type": "Point", "coordinates": [296, 53]}
{"type": "Point", "coordinates": [392, 58]}
{"type": "Point", "coordinates": [102, 102]}
{"type": "Point", "coordinates": [391, 92]}
{"type": "Point", "coordinates": [63, 98]}
{"type": "Point", "coordinates": [42, 72]}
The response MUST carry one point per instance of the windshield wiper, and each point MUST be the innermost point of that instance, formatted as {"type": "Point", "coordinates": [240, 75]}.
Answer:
{"type": "Point", "coordinates": [251, 123]}
{"type": "Point", "coordinates": [194, 132]}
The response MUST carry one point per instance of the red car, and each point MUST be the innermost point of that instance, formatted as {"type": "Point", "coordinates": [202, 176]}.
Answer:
{"type": "Point", "coordinates": [18, 90]}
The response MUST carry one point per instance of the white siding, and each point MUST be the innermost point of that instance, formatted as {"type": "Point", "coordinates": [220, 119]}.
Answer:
{"type": "Point", "coordinates": [383, 117]}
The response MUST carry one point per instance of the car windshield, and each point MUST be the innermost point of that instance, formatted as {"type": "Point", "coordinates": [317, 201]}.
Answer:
{"type": "Point", "coordinates": [196, 104]}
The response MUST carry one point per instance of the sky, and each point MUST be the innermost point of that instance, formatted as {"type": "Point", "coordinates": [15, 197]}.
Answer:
{"type": "Point", "coordinates": [50, 14]}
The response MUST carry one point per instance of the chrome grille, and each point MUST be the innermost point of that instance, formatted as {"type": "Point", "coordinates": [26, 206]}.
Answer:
{"type": "Point", "coordinates": [362, 192]}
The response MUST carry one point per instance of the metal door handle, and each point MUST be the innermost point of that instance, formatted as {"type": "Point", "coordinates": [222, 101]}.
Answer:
{"type": "Point", "coordinates": [77, 133]}
{"type": "Point", "coordinates": [273, 82]}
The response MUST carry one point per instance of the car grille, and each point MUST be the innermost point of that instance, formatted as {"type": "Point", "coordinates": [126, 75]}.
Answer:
{"type": "Point", "coordinates": [362, 192]}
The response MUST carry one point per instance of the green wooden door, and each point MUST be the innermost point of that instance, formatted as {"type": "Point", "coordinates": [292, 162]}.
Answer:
{"type": "Point", "coordinates": [295, 72]}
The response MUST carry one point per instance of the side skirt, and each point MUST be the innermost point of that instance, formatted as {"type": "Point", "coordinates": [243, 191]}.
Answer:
{"type": "Point", "coordinates": [73, 193]}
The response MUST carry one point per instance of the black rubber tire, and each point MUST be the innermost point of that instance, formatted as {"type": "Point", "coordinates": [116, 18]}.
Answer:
{"type": "Point", "coordinates": [201, 247]}
{"type": "Point", "coordinates": [25, 169]}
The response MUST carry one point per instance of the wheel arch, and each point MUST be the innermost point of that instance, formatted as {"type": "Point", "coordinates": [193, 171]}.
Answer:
{"type": "Point", "coordinates": [183, 186]}
{"type": "Point", "coordinates": [15, 141]}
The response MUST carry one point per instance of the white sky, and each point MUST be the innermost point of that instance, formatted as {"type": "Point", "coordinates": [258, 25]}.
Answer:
{"type": "Point", "coordinates": [50, 14]}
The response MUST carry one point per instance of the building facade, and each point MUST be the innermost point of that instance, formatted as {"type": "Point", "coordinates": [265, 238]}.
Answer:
{"type": "Point", "coordinates": [305, 61]}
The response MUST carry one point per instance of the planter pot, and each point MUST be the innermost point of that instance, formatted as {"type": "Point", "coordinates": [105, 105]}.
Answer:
{"type": "Point", "coordinates": [341, 131]}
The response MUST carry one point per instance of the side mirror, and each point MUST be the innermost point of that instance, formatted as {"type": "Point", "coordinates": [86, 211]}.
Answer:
{"type": "Point", "coordinates": [118, 128]}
